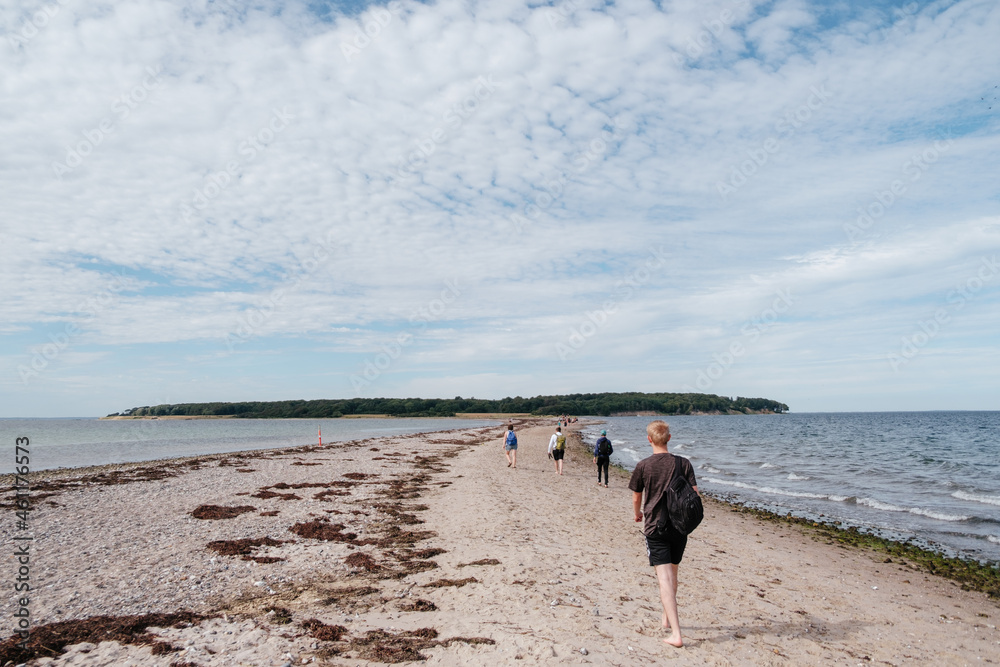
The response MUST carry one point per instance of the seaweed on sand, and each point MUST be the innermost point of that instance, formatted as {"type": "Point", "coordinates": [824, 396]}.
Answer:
{"type": "Point", "coordinates": [50, 639]}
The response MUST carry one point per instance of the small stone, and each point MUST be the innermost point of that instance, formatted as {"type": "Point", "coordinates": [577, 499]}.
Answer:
{"type": "Point", "coordinates": [597, 612]}
{"type": "Point", "coordinates": [583, 651]}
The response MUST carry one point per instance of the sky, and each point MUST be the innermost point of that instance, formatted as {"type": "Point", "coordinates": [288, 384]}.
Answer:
{"type": "Point", "coordinates": [230, 201]}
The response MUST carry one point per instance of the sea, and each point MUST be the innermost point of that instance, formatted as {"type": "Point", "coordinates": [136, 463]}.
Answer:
{"type": "Point", "coordinates": [73, 443]}
{"type": "Point", "coordinates": [929, 477]}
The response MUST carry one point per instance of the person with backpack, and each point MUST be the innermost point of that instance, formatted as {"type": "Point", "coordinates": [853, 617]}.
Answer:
{"type": "Point", "coordinates": [657, 475]}
{"type": "Point", "coordinates": [510, 447]}
{"type": "Point", "coordinates": [557, 449]}
{"type": "Point", "coordinates": [602, 457]}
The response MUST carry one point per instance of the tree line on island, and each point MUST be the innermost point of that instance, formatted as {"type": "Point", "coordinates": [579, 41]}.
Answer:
{"type": "Point", "coordinates": [600, 405]}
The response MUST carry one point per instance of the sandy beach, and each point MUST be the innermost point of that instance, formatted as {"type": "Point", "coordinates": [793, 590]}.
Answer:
{"type": "Point", "coordinates": [430, 547]}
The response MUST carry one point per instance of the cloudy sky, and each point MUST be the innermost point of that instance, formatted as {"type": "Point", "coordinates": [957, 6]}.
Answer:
{"type": "Point", "coordinates": [276, 200]}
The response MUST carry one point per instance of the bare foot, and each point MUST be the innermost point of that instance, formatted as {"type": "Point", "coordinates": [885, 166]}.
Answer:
{"type": "Point", "coordinates": [674, 640]}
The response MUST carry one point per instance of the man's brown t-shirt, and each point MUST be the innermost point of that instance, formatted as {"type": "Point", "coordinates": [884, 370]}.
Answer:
{"type": "Point", "coordinates": [653, 475]}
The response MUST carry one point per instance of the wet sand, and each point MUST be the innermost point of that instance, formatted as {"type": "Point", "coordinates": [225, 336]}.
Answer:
{"type": "Point", "coordinates": [392, 549]}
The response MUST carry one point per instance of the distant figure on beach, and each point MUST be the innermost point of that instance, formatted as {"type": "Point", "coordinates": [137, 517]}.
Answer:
{"type": "Point", "coordinates": [602, 457]}
{"type": "Point", "coordinates": [510, 447]}
{"type": "Point", "coordinates": [665, 549]}
{"type": "Point", "coordinates": [557, 449]}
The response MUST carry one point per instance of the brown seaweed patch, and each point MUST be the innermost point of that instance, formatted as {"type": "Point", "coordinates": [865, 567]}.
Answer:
{"type": "Point", "coordinates": [319, 630]}
{"type": "Point", "coordinates": [351, 594]}
{"type": "Point", "coordinates": [265, 494]}
{"type": "Point", "coordinates": [304, 463]}
{"type": "Point", "coordinates": [484, 561]}
{"type": "Point", "coordinates": [362, 561]}
{"type": "Point", "coordinates": [244, 547]}
{"type": "Point", "coordinates": [382, 646]}
{"type": "Point", "coordinates": [245, 470]}
{"type": "Point", "coordinates": [457, 583]}
{"type": "Point", "coordinates": [394, 537]}
{"type": "Point", "coordinates": [410, 554]}
{"type": "Point", "coordinates": [414, 566]}
{"type": "Point", "coordinates": [323, 495]}
{"type": "Point", "coordinates": [322, 529]}
{"type": "Point", "coordinates": [271, 513]}
{"type": "Point", "coordinates": [49, 640]}
{"type": "Point", "coordinates": [358, 475]}
{"type": "Point", "coordinates": [265, 560]}
{"type": "Point", "coordinates": [217, 512]}
{"type": "Point", "coordinates": [418, 605]}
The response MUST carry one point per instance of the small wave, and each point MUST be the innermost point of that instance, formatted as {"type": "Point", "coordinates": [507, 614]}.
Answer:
{"type": "Point", "coordinates": [977, 497]}
{"type": "Point", "coordinates": [767, 465]}
{"type": "Point", "coordinates": [709, 469]}
{"type": "Point", "coordinates": [875, 504]}
{"type": "Point", "coordinates": [886, 507]}
{"type": "Point", "coordinates": [792, 476]}
{"type": "Point", "coordinates": [937, 515]}
{"type": "Point", "coordinates": [777, 492]}
{"type": "Point", "coordinates": [993, 538]}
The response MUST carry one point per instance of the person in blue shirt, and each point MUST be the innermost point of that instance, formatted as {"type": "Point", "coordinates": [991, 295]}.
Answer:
{"type": "Point", "coordinates": [602, 457]}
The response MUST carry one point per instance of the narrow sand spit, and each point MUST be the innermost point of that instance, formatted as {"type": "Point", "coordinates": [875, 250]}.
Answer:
{"type": "Point", "coordinates": [397, 549]}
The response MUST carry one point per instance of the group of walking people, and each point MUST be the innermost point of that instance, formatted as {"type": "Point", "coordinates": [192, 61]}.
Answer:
{"type": "Point", "coordinates": [557, 451]}
{"type": "Point", "coordinates": [649, 483]}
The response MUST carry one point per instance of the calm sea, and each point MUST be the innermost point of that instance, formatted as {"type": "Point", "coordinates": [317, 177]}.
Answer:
{"type": "Point", "coordinates": [930, 476]}
{"type": "Point", "coordinates": [71, 443]}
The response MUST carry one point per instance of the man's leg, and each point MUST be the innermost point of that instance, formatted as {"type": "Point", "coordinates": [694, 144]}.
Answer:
{"type": "Point", "coordinates": [513, 455]}
{"type": "Point", "coordinates": [666, 578]}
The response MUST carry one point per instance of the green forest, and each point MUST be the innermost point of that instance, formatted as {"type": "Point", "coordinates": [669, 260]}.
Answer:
{"type": "Point", "coordinates": [601, 405]}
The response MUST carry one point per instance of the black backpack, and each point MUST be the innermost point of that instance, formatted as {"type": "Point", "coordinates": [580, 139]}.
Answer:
{"type": "Point", "coordinates": [681, 505]}
{"type": "Point", "coordinates": [605, 448]}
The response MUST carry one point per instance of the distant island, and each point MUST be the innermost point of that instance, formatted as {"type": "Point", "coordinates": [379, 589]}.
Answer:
{"type": "Point", "coordinates": [600, 405]}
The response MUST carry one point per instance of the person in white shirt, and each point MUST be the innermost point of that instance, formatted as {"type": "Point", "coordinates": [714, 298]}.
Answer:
{"type": "Point", "coordinates": [557, 449]}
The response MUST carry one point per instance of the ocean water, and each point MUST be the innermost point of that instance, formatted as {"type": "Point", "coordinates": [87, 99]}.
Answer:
{"type": "Point", "coordinates": [71, 443]}
{"type": "Point", "coordinates": [933, 477]}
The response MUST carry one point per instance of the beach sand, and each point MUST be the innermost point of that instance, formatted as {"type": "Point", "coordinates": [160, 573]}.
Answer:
{"type": "Point", "coordinates": [431, 546]}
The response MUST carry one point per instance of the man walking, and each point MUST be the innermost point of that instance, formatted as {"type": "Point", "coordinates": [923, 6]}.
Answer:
{"type": "Point", "coordinates": [665, 549]}
{"type": "Point", "coordinates": [602, 457]}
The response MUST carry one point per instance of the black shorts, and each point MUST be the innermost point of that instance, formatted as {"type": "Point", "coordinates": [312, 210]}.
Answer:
{"type": "Point", "coordinates": [557, 454]}
{"type": "Point", "coordinates": [663, 548]}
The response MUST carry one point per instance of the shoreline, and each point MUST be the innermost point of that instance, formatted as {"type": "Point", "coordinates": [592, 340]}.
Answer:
{"type": "Point", "coordinates": [393, 548]}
